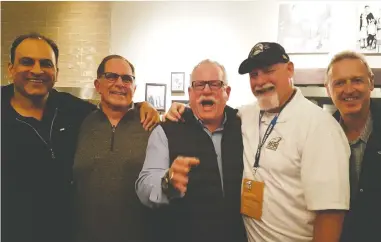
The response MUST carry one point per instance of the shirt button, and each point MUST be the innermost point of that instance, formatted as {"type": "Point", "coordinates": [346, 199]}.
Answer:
{"type": "Point", "coordinates": [379, 152]}
{"type": "Point", "coordinates": [361, 190]}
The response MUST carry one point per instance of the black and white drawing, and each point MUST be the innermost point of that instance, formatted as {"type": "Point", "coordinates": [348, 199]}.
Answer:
{"type": "Point", "coordinates": [303, 30]}
{"type": "Point", "coordinates": [369, 28]}
{"type": "Point", "coordinates": [156, 94]}
{"type": "Point", "coordinates": [178, 82]}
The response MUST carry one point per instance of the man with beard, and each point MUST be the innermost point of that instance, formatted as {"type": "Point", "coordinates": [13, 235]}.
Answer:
{"type": "Point", "coordinates": [110, 154]}
{"type": "Point", "coordinates": [349, 83]}
{"type": "Point", "coordinates": [193, 170]}
{"type": "Point", "coordinates": [294, 152]}
{"type": "Point", "coordinates": [295, 183]}
{"type": "Point", "coordinates": [39, 128]}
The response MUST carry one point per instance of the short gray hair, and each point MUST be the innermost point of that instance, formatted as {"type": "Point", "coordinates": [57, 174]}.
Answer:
{"type": "Point", "coordinates": [345, 55]}
{"type": "Point", "coordinates": [208, 61]}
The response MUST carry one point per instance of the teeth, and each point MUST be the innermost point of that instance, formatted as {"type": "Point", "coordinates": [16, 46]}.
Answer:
{"type": "Point", "coordinates": [118, 93]}
{"type": "Point", "coordinates": [33, 80]}
{"type": "Point", "coordinates": [350, 99]}
{"type": "Point", "coordinates": [264, 89]}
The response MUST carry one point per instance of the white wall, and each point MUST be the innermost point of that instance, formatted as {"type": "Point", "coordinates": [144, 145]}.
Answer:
{"type": "Point", "coordinates": [164, 37]}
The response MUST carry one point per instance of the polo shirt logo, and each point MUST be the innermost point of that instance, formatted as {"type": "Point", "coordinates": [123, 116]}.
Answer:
{"type": "Point", "coordinates": [273, 143]}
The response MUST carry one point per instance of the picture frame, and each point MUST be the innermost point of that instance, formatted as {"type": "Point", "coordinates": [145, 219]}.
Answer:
{"type": "Point", "coordinates": [368, 30]}
{"type": "Point", "coordinates": [186, 102]}
{"type": "Point", "coordinates": [177, 82]}
{"type": "Point", "coordinates": [155, 94]}
{"type": "Point", "coordinates": [302, 31]}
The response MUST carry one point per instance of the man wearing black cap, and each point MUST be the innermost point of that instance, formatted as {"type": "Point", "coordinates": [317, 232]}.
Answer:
{"type": "Point", "coordinates": [296, 181]}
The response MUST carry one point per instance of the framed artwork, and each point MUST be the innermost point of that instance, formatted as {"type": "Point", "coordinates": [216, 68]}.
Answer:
{"type": "Point", "coordinates": [303, 31]}
{"type": "Point", "coordinates": [368, 28]}
{"type": "Point", "coordinates": [178, 82]}
{"type": "Point", "coordinates": [155, 95]}
{"type": "Point", "coordinates": [186, 102]}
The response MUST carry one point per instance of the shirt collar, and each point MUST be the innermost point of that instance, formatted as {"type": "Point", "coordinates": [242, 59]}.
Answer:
{"type": "Point", "coordinates": [132, 106]}
{"type": "Point", "coordinates": [221, 127]}
{"type": "Point", "coordinates": [365, 133]}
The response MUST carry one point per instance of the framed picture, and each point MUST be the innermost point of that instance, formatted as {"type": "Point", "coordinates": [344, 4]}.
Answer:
{"type": "Point", "coordinates": [178, 82]}
{"type": "Point", "coordinates": [368, 28]}
{"type": "Point", "coordinates": [155, 95]}
{"type": "Point", "coordinates": [303, 31]}
{"type": "Point", "coordinates": [186, 102]}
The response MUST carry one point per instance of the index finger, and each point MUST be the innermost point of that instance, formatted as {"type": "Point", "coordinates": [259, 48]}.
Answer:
{"type": "Point", "coordinates": [192, 161]}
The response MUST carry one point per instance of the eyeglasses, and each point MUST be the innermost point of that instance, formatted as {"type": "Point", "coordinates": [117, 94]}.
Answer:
{"type": "Point", "coordinates": [113, 77]}
{"type": "Point", "coordinates": [214, 85]}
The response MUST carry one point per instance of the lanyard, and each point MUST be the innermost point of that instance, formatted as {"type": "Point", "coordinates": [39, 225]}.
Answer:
{"type": "Point", "coordinates": [268, 130]}
{"type": "Point", "coordinates": [267, 134]}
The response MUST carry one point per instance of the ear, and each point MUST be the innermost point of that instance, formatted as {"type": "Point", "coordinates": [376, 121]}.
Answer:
{"type": "Point", "coordinates": [58, 70]}
{"type": "Point", "coordinates": [326, 85]}
{"type": "Point", "coordinates": [189, 92]}
{"type": "Point", "coordinates": [10, 69]}
{"type": "Point", "coordinates": [97, 85]}
{"type": "Point", "coordinates": [227, 92]}
{"type": "Point", "coordinates": [371, 83]}
{"type": "Point", "coordinates": [290, 69]}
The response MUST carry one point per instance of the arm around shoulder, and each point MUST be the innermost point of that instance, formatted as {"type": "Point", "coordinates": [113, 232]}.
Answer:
{"type": "Point", "coordinates": [156, 163]}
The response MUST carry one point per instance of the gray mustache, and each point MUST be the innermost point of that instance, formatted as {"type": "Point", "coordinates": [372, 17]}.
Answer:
{"type": "Point", "coordinates": [208, 98]}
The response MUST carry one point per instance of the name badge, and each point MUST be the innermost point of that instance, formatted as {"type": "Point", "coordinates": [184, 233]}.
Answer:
{"type": "Point", "coordinates": [252, 198]}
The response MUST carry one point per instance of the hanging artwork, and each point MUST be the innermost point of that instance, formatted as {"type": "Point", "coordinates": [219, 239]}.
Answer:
{"type": "Point", "coordinates": [155, 95]}
{"type": "Point", "coordinates": [369, 28]}
{"type": "Point", "coordinates": [177, 82]}
{"type": "Point", "coordinates": [303, 30]}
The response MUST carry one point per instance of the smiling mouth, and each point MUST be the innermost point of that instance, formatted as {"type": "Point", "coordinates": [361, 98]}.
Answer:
{"type": "Point", "coordinates": [36, 80]}
{"type": "Point", "coordinates": [350, 99]}
{"type": "Point", "coordinates": [265, 90]}
{"type": "Point", "coordinates": [118, 93]}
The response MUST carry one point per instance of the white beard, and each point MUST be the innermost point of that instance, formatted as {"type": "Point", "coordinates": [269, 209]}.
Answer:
{"type": "Point", "coordinates": [268, 102]}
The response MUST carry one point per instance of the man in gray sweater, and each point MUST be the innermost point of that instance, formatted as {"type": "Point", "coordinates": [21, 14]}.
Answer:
{"type": "Point", "coordinates": [110, 154]}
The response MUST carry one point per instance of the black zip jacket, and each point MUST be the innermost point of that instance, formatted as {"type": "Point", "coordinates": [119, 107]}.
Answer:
{"type": "Point", "coordinates": [36, 168]}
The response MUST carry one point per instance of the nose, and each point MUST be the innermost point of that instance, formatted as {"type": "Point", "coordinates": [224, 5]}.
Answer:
{"type": "Point", "coordinates": [207, 88]}
{"type": "Point", "coordinates": [119, 82]}
{"type": "Point", "coordinates": [348, 88]}
{"type": "Point", "coordinates": [258, 80]}
{"type": "Point", "coordinates": [36, 69]}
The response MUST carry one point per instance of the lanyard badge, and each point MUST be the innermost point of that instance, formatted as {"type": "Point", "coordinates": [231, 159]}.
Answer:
{"type": "Point", "coordinates": [269, 129]}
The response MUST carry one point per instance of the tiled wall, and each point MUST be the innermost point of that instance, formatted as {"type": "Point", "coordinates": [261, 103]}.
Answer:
{"type": "Point", "coordinates": [81, 30]}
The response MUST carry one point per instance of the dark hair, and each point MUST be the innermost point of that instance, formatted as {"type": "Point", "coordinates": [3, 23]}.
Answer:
{"type": "Point", "coordinates": [23, 37]}
{"type": "Point", "coordinates": [101, 67]}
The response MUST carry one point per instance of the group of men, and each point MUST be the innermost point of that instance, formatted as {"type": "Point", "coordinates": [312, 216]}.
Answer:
{"type": "Point", "coordinates": [281, 169]}
{"type": "Point", "coordinates": [306, 176]}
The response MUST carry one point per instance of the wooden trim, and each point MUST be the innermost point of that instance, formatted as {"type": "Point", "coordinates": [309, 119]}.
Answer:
{"type": "Point", "coordinates": [316, 76]}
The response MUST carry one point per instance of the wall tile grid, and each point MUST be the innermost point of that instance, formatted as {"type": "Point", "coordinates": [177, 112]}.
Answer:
{"type": "Point", "coordinates": [81, 29]}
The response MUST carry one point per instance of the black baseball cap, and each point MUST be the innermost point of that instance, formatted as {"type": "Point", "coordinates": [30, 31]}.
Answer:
{"type": "Point", "coordinates": [263, 54]}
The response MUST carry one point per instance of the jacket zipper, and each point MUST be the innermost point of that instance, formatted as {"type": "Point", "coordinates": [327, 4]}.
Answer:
{"type": "Point", "coordinates": [112, 138]}
{"type": "Point", "coordinates": [50, 134]}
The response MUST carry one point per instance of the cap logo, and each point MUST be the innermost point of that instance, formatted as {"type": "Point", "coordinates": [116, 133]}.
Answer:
{"type": "Point", "coordinates": [258, 48]}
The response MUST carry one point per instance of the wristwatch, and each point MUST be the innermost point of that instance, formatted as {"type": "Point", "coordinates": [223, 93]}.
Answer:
{"type": "Point", "coordinates": [166, 181]}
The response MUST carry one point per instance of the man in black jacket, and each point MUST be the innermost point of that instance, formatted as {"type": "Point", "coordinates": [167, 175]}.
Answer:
{"type": "Point", "coordinates": [193, 169]}
{"type": "Point", "coordinates": [39, 129]}
{"type": "Point", "coordinates": [349, 83]}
